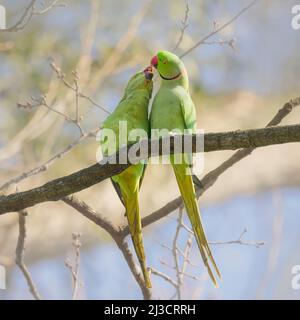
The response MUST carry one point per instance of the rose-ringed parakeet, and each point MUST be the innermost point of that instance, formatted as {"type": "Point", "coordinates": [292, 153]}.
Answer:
{"type": "Point", "coordinates": [133, 109]}
{"type": "Point", "coordinates": [173, 109]}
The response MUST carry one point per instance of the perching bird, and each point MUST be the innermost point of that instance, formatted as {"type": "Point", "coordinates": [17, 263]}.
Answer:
{"type": "Point", "coordinates": [133, 108]}
{"type": "Point", "coordinates": [173, 109]}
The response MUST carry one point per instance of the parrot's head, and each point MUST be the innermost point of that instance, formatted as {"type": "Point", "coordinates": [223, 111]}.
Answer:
{"type": "Point", "coordinates": [168, 65]}
{"type": "Point", "coordinates": [141, 81]}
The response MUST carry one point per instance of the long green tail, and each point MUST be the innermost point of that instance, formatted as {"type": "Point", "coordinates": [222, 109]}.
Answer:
{"type": "Point", "coordinates": [135, 228]}
{"type": "Point", "coordinates": [187, 191]}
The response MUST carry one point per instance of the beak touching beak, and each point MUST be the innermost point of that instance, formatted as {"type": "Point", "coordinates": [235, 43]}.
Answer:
{"type": "Point", "coordinates": [154, 61]}
{"type": "Point", "coordinates": [148, 73]}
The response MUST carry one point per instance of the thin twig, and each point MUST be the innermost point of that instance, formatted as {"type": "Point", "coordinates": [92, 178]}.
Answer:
{"type": "Point", "coordinates": [175, 250]}
{"type": "Point", "coordinates": [62, 77]}
{"type": "Point", "coordinates": [184, 26]}
{"type": "Point", "coordinates": [217, 30]}
{"type": "Point", "coordinates": [231, 43]}
{"type": "Point", "coordinates": [74, 268]}
{"type": "Point", "coordinates": [164, 276]}
{"type": "Point", "coordinates": [42, 101]}
{"type": "Point", "coordinates": [20, 251]}
{"type": "Point", "coordinates": [116, 235]}
{"type": "Point", "coordinates": [76, 83]}
{"type": "Point", "coordinates": [47, 164]}
{"type": "Point", "coordinates": [52, 5]}
{"type": "Point", "coordinates": [28, 14]}
{"type": "Point", "coordinates": [239, 240]}
{"type": "Point", "coordinates": [21, 23]}
{"type": "Point", "coordinates": [175, 254]}
{"type": "Point", "coordinates": [186, 256]}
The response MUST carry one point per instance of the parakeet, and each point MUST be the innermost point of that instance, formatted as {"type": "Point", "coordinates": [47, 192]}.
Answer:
{"type": "Point", "coordinates": [133, 108]}
{"type": "Point", "coordinates": [172, 109]}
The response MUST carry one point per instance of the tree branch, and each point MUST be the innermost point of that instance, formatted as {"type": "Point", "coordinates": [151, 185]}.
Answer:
{"type": "Point", "coordinates": [74, 267]}
{"type": "Point", "coordinates": [28, 14]}
{"type": "Point", "coordinates": [62, 187]}
{"type": "Point", "coordinates": [117, 236]}
{"type": "Point", "coordinates": [217, 30]}
{"type": "Point", "coordinates": [20, 250]}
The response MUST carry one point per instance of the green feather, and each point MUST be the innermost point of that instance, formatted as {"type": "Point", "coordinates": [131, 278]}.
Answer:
{"type": "Point", "coordinates": [173, 109]}
{"type": "Point", "coordinates": [133, 108]}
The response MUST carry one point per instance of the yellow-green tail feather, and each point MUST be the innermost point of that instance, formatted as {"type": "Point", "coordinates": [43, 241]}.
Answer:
{"type": "Point", "coordinates": [135, 227]}
{"type": "Point", "coordinates": [187, 191]}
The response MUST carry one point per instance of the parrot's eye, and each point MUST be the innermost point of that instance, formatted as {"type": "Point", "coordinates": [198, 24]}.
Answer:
{"type": "Point", "coordinates": [163, 59]}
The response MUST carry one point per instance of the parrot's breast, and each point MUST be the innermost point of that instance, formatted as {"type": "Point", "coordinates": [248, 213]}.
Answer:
{"type": "Point", "coordinates": [166, 111]}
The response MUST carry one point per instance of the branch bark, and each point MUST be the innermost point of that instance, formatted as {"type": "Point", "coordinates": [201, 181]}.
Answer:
{"type": "Point", "coordinates": [85, 178]}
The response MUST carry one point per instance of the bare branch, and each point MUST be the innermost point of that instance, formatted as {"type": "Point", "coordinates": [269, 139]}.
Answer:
{"type": "Point", "coordinates": [28, 14]}
{"type": "Point", "coordinates": [62, 77]}
{"type": "Point", "coordinates": [180, 270]}
{"type": "Point", "coordinates": [231, 43]}
{"type": "Point", "coordinates": [184, 26]}
{"type": "Point", "coordinates": [76, 83]}
{"type": "Point", "coordinates": [164, 276]}
{"type": "Point", "coordinates": [47, 8]}
{"type": "Point", "coordinates": [42, 101]}
{"type": "Point", "coordinates": [47, 164]}
{"type": "Point", "coordinates": [74, 268]}
{"type": "Point", "coordinates": [62, 187]}
{"type": "Point", "coordinates": [116, 235]}
{"type": "Point", "coordinates": [175, 254]}
{"type": "Point", "coordinates": [20, 251]}
{"type": "Point", "coordinates": [217, 30]}
{"type": "Point", "coordinates": [239, 240]}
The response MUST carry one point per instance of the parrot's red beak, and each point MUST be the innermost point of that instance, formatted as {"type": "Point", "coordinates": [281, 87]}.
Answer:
{"type": "Point", "coordinates": [148, 73]}
{"type": "Point", "coordinates": [154, 61]}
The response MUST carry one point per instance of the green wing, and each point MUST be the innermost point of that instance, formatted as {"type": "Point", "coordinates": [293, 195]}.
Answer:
{"type": "Point", "coordinates": [190, 119]}
{"type": "Point", "coordinates": [118, 189]}
{"type": "Point", "coordinates": [188, 111]}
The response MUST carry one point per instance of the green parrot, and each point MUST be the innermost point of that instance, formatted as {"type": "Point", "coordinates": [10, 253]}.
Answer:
{"type": "Point", "coordinates": [173, 109]}
{"type": "Point", "coordinates": [132, 109]}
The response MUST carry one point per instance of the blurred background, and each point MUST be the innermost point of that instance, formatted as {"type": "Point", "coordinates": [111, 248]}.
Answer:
{"type": "Point", "coordinates": [238, 80]}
